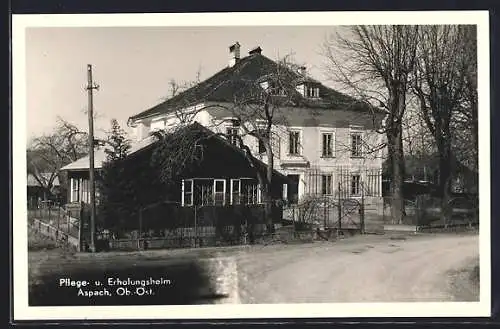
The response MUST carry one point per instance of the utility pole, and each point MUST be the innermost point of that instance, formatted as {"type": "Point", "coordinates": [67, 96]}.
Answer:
{"type": "Point", "coordinates": [90, 90]}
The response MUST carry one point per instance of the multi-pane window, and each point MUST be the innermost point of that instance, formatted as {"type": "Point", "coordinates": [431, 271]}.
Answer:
{"type": "Point", "coordinates": [80, 190]}
{"type": "Point", "coordinates": [356, 145]}
{"type": "Point", "coordinates": [251, 192]}
{"type": "Point", "coordinates": [355, 185]}
{"type": "Point", "coordinates": [85, 190]}
{"type": "Point", "coordinates": [261, 135]}
{"type": "Point", "coordinates": [187, 199]}
{"type": "Point", "coordinates": [244, 191]}
{"type": "Point", "coordinates": [219, 192]}
{"type": "Point", "coordinates": [371, 186]}
{"type": "Point", "coordinates": [235, 191]}
{"type": "Point", "coordinates": [326, 184]}
{"type": "Point", "coordinates": [204, 193]}
{"type": "Point", "coordinates": [294, 141]}
{"type": "Point", "coordinates": [327, 145]}
{"type": "Point", "coordinates": [232, 135]}
{"type": "Point", "coordinates": [214, 192]}
{"type": "Point", "coordinates": [75, 190]}
{"type": "Point", "coordinates": [312, 92]}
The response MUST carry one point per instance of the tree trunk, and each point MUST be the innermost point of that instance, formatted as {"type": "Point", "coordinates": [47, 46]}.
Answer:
{"type": "Point", "coordinates": [397, 170]}
{"type": "Point", "coordinates": [268, 212]}
{"type": "Point", "coordinates": [394, 134]}
{"type": "Point", "coordinates": [446, 209]}
{"type": "Point", "coordinates": [445, 176]}
{"type": "Point", "coordinates": [267, 195]}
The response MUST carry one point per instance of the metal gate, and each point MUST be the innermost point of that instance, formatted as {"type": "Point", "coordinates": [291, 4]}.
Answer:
{"type": "Point", "coordinates": [340, 206]}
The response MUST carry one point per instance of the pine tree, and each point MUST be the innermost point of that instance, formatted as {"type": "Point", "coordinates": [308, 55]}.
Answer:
{"type": "Point", "coordinates": [118, 144]}
{"type": "Point", "coordinates": [117, 194]}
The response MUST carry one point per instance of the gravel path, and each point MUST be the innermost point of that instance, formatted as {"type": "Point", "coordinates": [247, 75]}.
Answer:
{"type": "Point", "coordinates": [358, 270]}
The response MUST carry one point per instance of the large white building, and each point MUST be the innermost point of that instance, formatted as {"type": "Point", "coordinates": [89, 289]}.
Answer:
{"type": "Point", "coordinates": [326, 142]}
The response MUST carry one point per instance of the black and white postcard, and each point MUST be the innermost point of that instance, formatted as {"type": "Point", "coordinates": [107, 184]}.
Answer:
{"type": "Point", "coordinates": [251, 165]}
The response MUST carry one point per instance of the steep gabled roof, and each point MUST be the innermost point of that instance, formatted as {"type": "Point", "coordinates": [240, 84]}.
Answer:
{"type": "Point", "coordinates": [222, 86]}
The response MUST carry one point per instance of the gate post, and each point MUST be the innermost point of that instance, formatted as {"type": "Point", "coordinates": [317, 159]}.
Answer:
{"type": "Point", "coordinates": [324, 213]}
{"type": "Point", "coordinates": [339, 210]}
{"type": "Point", "coordinates": [195, 226]}
{"type": "Point", "coordinates": [362, 210]}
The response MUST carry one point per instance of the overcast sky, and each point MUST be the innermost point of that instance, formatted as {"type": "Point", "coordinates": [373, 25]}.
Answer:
{"type": "Point", "coordinates": [133, 65]}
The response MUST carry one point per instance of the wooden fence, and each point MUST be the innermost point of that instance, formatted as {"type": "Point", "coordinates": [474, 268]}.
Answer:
{"type": "Point", "coordinates": [57, 234]}
{"type": "Point", "coordinates": [60, 218]}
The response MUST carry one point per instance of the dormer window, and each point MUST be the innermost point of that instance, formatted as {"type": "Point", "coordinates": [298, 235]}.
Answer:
{"type": "Point", "coordinates": [232, 131]}
{"type": "Point", "coordinates": [232, 135]}
{"type": "Point", "coordinates": [235, 122]}
{"type": "Point", "coordinates": [312, 92]}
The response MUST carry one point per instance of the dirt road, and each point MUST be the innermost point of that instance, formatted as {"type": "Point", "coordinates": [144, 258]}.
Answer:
{"type": "Point", "coordinates": [359, 269]}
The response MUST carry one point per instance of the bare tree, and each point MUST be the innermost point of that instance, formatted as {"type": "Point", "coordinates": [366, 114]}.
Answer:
{"type": "Point", "coordinates": [440, 85]}
{"type": "Point", "coordinates": [43, 167]}
{"type": "Point", "coordinates": [176, 87]}
{"type": "Point", "coordinates": [375, 64]}
{"type": "Point", "coordinates": [419, 146]}
{"type": "Point", "coordinates": [48, 153]}
{"type": "Point", "coordinates": [257, 117]}
{"type": "Point", "coordinates": [465, 121]}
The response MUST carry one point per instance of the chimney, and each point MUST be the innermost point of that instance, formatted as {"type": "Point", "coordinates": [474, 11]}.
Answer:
{"type": "Point", "coordinates": [234, 54]}
{"type": "Point", "coordinates": [256, 50]}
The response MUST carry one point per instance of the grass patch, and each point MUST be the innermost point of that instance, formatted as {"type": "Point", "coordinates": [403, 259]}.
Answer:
{"type": "Point", "coordinates": [37, 241]}
{"type": "Point", "coordinates": [464, 282]}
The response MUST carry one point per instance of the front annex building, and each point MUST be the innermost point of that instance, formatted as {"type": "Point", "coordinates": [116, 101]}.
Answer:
{"type": "Point", "coordinates": [221, 175]}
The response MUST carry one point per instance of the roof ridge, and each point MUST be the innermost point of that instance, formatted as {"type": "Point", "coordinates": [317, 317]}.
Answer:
{"type": "Point", "coordinates": [250, 67]}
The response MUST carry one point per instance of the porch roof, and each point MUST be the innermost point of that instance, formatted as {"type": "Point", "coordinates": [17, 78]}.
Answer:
{"type": "Point", "coordinates": [100, 155]}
